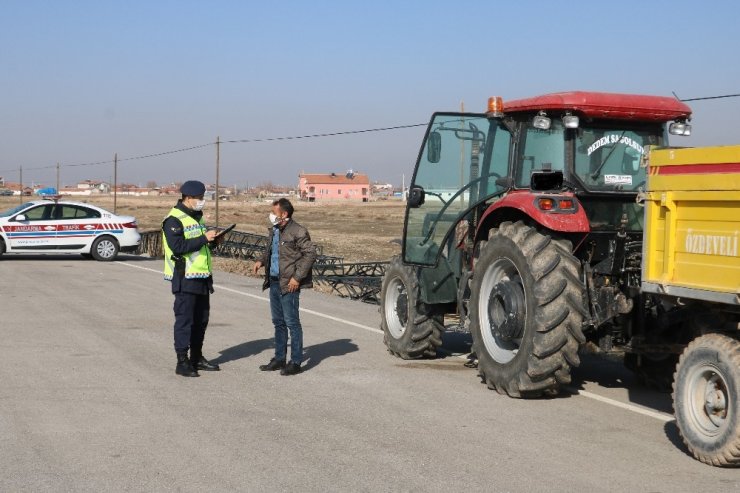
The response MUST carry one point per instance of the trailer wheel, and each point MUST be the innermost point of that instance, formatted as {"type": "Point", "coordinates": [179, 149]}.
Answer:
{"type": "Point", "coordinates": [706, 399]}
{"type": "Point", "coordinates": [412, 329]}
{"type": "Point", "coordinates": [526, 310]}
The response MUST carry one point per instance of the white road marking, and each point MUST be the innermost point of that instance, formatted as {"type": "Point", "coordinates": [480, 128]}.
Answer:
{"type": "Point", "coordinates": [664, 417]}
{"type": "Point", "coordinates": [264, 298]}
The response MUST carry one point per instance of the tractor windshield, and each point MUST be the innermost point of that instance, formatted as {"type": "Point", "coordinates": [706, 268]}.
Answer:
{"type": "Point", "coordinates": [608, 159]}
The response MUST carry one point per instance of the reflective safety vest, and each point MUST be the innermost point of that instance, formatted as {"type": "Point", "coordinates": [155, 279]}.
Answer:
{"type": "Point", "coordinates": [197, 264]}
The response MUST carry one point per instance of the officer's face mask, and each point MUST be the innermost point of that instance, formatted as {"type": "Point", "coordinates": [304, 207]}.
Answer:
{"type": "Point", "coordinates": [199, 205]}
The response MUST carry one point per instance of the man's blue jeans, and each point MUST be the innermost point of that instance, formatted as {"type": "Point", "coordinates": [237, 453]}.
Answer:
{"type": "Point", "coordinates": [284, 308]}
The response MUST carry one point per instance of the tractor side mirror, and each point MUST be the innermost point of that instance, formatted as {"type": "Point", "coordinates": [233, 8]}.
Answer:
{"type": "Point", "coordinates": [434, 147]}
{"type": "Point", "coordinates": [546, 180]}
{"type": "Point", "coordinates": [20, 218]}
{"type": "Point", "coordinates": [416, 197]}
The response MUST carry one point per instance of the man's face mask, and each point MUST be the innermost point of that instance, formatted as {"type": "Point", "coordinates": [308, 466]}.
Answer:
{"type": "Point", "coordinates": [274, 219]}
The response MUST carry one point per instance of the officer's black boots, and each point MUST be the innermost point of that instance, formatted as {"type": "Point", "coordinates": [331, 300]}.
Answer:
{"type": "Point", "coordinates": [199, 362]}
{"type": "Point", "coordinates": [184, 367]}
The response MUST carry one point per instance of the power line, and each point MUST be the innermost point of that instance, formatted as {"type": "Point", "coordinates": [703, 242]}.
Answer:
{"type": "Point", "coordinates": [707, 97]}
{"type": "Point", "coordinates": [331, 134]}
{"type": "Point", "coordinates": [110, 161]}
{"type": "Point", "coordinates": [236, 141]}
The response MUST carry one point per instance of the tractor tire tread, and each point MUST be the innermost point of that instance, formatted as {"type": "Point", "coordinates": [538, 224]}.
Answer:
{"type": "Point", "coordinates": [559, 293]}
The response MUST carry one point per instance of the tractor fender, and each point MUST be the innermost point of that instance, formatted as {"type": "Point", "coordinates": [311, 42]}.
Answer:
{"type": "Point", "coordinates": [521, 205]}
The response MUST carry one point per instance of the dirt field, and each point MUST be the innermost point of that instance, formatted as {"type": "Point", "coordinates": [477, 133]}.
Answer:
{"type": "Point", "coordinates": [358, 232]}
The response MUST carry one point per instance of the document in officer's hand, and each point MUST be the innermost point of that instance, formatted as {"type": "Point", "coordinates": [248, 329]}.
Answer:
{"type": "Point", "coordinates": [224, 231]}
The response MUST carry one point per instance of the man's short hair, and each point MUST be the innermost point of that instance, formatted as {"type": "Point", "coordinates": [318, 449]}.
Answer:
{"type": "Point", "coordinates": [285, 206]}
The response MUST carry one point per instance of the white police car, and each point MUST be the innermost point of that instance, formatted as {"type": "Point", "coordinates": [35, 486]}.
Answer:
{"type": "Point", "coordinates": [56, 226]}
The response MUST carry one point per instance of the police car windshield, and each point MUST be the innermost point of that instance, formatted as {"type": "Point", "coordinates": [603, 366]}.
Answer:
{"type": "Point", "coordinates": [609, 158]}
{"type": "Point", "coordinates": [15, 209]}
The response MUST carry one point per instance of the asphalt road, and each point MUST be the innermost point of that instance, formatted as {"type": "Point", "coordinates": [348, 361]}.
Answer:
{"type": "Point", "coordinates": [89, 402]}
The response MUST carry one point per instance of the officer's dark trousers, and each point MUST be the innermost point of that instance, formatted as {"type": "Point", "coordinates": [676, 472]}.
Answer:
{"type": "Point", "coordinates": [191, 320]}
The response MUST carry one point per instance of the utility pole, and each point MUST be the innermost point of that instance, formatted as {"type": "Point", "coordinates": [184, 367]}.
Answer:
{"type": "Point", "coordinates": [20, 196]}
{"type": "Point", "coordinates": [57, 178]}
{"type": "Point", "coordinates": [462, 156]}
{"type": "Point", "coordinates": [115, 182]}
{"type": "Point", "coordinates": [218, 171]}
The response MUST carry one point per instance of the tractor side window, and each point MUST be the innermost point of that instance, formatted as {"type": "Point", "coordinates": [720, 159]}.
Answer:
{"type": "Point", "coordinates": [542, 149]}
{"type": "Point", "coordinates": [500, 154]}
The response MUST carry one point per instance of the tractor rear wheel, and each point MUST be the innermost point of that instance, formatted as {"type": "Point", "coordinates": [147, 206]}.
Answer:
{"type": "Point", "coordinates": [412, 329]}
{"type": "Point", "coordinates": [706, 399]}
{"type": "Point", "coordinates": [527, 306]}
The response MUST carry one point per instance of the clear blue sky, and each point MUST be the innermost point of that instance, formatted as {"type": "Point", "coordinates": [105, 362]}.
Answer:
{"type": "Point", "coordinates": [81, 80]}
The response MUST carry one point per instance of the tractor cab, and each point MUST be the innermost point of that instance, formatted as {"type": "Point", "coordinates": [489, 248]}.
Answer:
{"type": "Point", "coordinates": [567, 162]}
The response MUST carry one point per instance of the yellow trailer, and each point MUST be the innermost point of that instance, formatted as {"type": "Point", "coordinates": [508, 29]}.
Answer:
{"type": "Point", "coordinates": [691, 246]}
{"type": "Point", "coordinates": [691, 257]}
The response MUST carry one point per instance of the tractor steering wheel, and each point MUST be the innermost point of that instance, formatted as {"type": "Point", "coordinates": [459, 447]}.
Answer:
{"type": "Point", "coordinates": [456, 195]}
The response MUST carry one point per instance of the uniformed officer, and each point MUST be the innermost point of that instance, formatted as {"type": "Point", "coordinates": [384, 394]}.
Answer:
{"type": "Point", "coordinates": [187, 264]}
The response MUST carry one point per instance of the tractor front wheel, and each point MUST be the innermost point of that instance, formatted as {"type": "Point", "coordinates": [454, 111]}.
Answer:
{"type": "Point", "coordinates": [412, 329]}
{"type": "Point", "coordinates": [526, 311]}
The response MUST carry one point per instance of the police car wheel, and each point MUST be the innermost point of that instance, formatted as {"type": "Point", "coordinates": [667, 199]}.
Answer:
{"type": "Point", "coordinates": [104, 249]}
{"type": "Point", "coordinates": [2, 246]}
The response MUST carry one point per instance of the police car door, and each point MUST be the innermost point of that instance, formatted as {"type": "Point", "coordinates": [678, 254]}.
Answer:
{"type": "Point", "coordinates": [76, 226]}
{"type": "Point", "coordinates": [33, 229]}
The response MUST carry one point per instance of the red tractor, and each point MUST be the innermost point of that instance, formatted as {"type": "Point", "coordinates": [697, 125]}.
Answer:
{"type": "Point", "coordinates": [525, 222]}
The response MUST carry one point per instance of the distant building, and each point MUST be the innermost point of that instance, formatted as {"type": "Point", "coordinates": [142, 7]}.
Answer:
{"type": "Point", "coordinates": [18, 190]}
{"type": "Point", "coordinates": [334, 187]}
{"type": "Point", "coordinates": [75, 191]}
{"type": "Point", "coordinates": [94, 186]}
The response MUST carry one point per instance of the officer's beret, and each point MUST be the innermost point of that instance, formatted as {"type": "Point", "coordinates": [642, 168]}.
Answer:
{"type": "Point", "coordinates": [193, 188]}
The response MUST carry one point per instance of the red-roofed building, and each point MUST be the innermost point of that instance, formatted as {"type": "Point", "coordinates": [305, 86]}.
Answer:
{"type": "Point", "coordinates": [333, 186]}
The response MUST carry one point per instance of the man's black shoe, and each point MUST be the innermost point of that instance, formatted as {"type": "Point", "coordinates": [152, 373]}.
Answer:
{"type": "Point", "coordinates": [291, 369]}
{"type": "Point", "coordinates": [204, 364]}
{"type": "Point", "coordinates": [273, 365]}
{"type": "Point", "coordinates": [184, 367]}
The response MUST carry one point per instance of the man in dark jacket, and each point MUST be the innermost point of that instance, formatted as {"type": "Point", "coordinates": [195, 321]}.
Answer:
{"type": "Point", "coordinates": [288, 261]}
{"type": "Point", "coordinates": [187, 264]}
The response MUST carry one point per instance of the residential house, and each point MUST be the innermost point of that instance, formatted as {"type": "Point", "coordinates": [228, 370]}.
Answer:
{"type": "Point", "coordinates": [334, 187]}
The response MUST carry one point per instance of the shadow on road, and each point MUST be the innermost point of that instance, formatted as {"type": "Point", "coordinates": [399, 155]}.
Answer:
{"type": "Point", "coordinates": [317, 353]}
{"type": "Point", "coordinates": [313, 355]}
{"type": "Point", "coordinates": [606, 373]}
{"type": "Point", "coordinates": [672, 433]}
{"type": "Point", "coordinates": [612, 374]}
{"type": "Point", "coordinates": [244, 350]}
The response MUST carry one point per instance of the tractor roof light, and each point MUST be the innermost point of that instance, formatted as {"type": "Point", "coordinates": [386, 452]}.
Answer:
{"type": "Point", "coordinates": [679, 128]}
{"type": "Point", "coordinates": [495, 107]}
{"type": "Point", "coordinates": [570, 121]}
{"type": "Point", "coordinates": [541, 121]}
